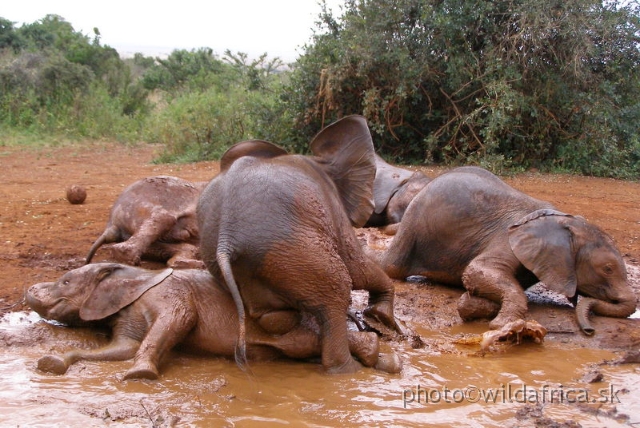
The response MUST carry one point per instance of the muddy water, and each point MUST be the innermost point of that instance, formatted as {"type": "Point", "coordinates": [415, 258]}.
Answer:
{"type": "Point", "coordinates": [435, 387]}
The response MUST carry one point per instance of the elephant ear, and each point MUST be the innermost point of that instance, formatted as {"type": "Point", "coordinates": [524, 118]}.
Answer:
{"type": "Point", "coordinates": [117, 286]}
{"type": "Point", "coordinates": [387, 182]}
{"type": "Point", "coordinates": [255, 148]}
{"type": "Point", "coordinates": [542, 243]}
{"type": "Point", "coordinates": [345, 151]}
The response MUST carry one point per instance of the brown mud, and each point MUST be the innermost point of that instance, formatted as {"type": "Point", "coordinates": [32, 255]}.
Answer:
{"type": "Point", "coordinates": [42, 235]}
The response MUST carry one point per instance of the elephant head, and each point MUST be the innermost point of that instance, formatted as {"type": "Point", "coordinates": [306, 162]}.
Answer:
{"type": "Point", "coordinates": [92, 292]}
{"type": "Point", "coordinates": [393, 189]}
{"type": "Point", "coordinates": [570, 255]}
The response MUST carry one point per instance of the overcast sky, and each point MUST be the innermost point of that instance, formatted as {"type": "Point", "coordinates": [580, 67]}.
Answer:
{"type": "Point", "coordinates": [278, 27]}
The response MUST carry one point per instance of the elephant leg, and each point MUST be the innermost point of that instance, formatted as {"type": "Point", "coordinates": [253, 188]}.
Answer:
{"type": "Point", "coordinates": [121, 348]}
{"type": "Point", "coordinates": [474, 307]}
{"type": "Point", "coordinates": [299, 342]}
{"type": "Point", "coordinates": [365, 346]}
{"type": "Point", "coordinates": [151, 230]}
{"type": "Point", "coordinates": [180, 255]}
{"type": "Point", "coordinates": [303, 342]}
{"type": "Point", "coordinates": [279, 322]}
{"type": "Point", "coordinates": [186, 256]}
{"type": "Point", "coordinates": [165, 332]}
{"type": "Point", "coordinates": [481, 278]}
{"type": "Point", "coordinates": [318, 283]}
{"type": "Point", "coordinates": [381, 294]}
{"type": "Point", "coordinates": [336, 357]}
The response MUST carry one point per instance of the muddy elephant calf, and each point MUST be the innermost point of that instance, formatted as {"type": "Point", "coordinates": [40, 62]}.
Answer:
{"type": "Point", "coordinates": [467, 227]}
{"type": "Point", "coordinates": [150, 312]}
{"type": "Point", "coordinates": [277, 229]}
{"type": "Point", "coordinates": [154, 218]}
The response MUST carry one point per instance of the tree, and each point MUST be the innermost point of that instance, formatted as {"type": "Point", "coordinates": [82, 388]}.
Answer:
{"type": "Point", "coordinates": [515, 82]}
{"type": "Point", "coordinates": [183, 67]}
{"type": "Point", "coordinates": [53, 73]}
{"type": "Point", "coordinates": [9, 37]}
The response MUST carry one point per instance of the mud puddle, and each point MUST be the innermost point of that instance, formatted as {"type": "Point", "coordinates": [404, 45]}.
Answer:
{"type": "Point", "coordinates": [441, 384]}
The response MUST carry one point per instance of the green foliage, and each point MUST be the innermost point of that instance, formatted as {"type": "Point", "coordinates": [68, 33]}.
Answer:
{"type": "Point", "coordinates": [198, 125]}
{"type": "Point", "coordinates": [511, 83]}
{"type": "Point", "coordinates": [9, 37]}
{"type": "Point", "coordinates": [195, 70]}
{"type": "Point", "coordinates": [56, 80]}
{"type": "Point", "coordinates": [202, 124]}
{"type": "Point", "coordinates": [506, 85]}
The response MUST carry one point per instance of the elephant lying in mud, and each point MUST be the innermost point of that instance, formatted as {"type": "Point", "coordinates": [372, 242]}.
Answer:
{"type": "Point", "coordinates": [155, 217]}
{"type": "Point", "coordinates": [151, 312]}
{"type": "Point", "coordinates": [467, 227]}
{"type": "Point", "coordinates": [277, 230]}
{"type": "Point", "coordinates": [393, 189]}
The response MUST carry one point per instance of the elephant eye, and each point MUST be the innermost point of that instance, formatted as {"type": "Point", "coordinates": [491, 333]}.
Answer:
{"type": "Point", "coordinates": [65, 282]}
{"type": "Point", "coordinates": [608, 270]}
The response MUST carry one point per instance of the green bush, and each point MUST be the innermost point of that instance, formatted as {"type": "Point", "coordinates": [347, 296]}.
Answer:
{"type": "Point", "coordinates": [54, 80]}
{"type": "Point", "coordinates": [518, 83]}
{"type": "Point", "coordinates": [198, 126]}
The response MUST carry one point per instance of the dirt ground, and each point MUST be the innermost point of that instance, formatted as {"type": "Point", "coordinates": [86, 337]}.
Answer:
{"type": "Point", "coordinates": [43, 235]}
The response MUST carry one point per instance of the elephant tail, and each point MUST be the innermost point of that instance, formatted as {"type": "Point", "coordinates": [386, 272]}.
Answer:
{"type": "Point", "coordinates": [110, 234]}
{"type": "Point", "coordinates": [224, 262]}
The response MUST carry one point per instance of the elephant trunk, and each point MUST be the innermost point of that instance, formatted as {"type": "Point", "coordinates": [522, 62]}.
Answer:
{"type": "Point", "coordinates": [621, 309]}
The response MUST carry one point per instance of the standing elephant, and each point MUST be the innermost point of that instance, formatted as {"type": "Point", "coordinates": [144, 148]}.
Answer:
{"type": "Point", "coordinates": [155, 218]}
{"type": "Point", "coordinates": [467, 227]}
{"type": "Point", "coordinates": [277, 230]}
{"type": "Point", "coordinates": [150, 312]}
{"type": "Point", "coordinates": [393, 189]}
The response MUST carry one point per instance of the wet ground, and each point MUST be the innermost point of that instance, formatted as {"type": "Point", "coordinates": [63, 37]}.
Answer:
{"type": "Point", "coordinates": [565, 381]}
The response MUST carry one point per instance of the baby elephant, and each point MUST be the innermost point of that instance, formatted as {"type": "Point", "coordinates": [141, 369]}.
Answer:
{"type": "Point", "coordinates": [155, 218]}
{"type": "Point", "coordinates": [467, 227]}
{"type": "Point", "coordinates": [151, 312]}
{"type": "Point", "coordinates": [277, 230]}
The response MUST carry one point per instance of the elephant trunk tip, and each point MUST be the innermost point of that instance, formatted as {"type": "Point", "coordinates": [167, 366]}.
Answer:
{"type": "Point", "coordinates": [583, 308]}
{"type": "Point", "coordinates": [588, 330]}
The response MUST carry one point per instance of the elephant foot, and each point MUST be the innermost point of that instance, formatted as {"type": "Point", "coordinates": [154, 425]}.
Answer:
{"type": "Point", "coordinates": [183, 263]}
{"type": "Point", "coordinates": [504, 319]}
{"type": "Point", "coordinates": [125, 253]}
{"type": "Point", "coordinates": [279, 322]}
{"type": "Point", "coordinates": [383, 313]}
{"type": "Point", "coordinates": [515, 332]}
{"type": "Point", "coordinates": [390, 229]}
{"type": "Point", "coordinates": [53, 364]}
{"type": "Point", "coordinates": [365, 346]}
{"type": "Point", "coordinates": [389, 363]}
{"type": "Point", "coordinates": [473, 307]}
{"type": "Point", "coordinates": [142, 371]}
{"type": "Point", "coordinates": [350, 366]}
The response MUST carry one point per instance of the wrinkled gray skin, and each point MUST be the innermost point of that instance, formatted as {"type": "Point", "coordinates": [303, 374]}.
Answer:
{"type": "Point", "coordinates": [277, 230]}
{"type": "Point", "coordinates": [467, 227]}
{"type": "Point", "coordinates": [151, 312]}
{"type": "Point", "coordinates": [393, 189]}
{"type": "Point", "coordinates": [154, 218]}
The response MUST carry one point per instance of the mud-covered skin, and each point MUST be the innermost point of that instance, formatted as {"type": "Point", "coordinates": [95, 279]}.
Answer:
{"type": "Point", "coordinates": [393, 189]}
{"type": "Point", "coordinates": [154, 218]}
{"type": "Point", "coordinates": [151, 312]}
{"type": "Point", "coordinates": [277, 230]}
{"type": "Point", "coordinates": [467, 227]}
